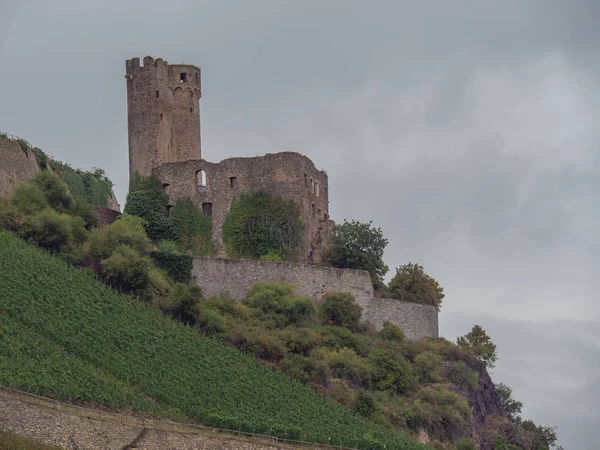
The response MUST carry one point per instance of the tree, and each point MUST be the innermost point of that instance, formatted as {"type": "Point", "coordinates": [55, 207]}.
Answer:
{"type": "Point", "coordinates": [357, 245]}
{"type": "Point", "coordinates": [340, 309]}
{"type": "Point", "coordinates": [511, 407]}
{"type": "Point", "coordinates": [413, 284]}
{"type": "Point", "coordinates": [481, 344]}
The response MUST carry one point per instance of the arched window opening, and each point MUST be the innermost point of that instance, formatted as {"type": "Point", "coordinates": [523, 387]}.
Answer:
{"type": "Point", "coordinates": [207, 209]}
{"type": "Point", "coordinates": [169, 207]}
{"type": "Point", "coordinates": [317, 188]}
{"type": "Point", "coordinates": [166, 188]}
{"type": "Point", "coordinates": [313, 209]}
{"type": "Point", "coordinates": [201, 181]}
{"type": "Point", "coordinates": [183, 77]}
{"type": "Point", "coordinates": [312, 185]}
{"type": "Point", "coordinates": [305, 181]}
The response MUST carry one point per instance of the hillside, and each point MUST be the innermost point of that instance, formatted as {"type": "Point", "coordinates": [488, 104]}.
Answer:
{"type": "Point", "coordinates": [68, 336]}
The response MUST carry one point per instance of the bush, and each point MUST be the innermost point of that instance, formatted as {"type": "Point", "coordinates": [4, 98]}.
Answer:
{"type": "Point", "coordinates": [340, 337]}
{"type": "Point", "coordinates": [341, 309]}
{"type": "Point", "coordinates": [465, 444]}
{"type": "Point", "coordinates": [390, 371]}
{"type": "Point", "coordinates": [103, 242]}
{"type": "Point", "coordinates": [29, 198]}
{"type": "Point", "coordinates": [177, 264]}
{"type": "Point", "coordinates": [303, 369]}
{"type": "Point", "coordinates": [86, 212]}
{"type": "Point", "coordinates": [125, 269]}
{"type": "Point", "coordinates": [365, 403]}
{"type": "Point", "coordinates": [258, 342]}
{"type": "Point", "coordinates": [299, 340]}
{"type": "Point", "coordinates": [211, 322]}
{"type": "Point", "coordinates": [10, 218]}
{"type": "Point", "coordinates": [186, 298]}
{"type": "Point", "coordinates": [427, 367]}
{"type": "Point", "coordinates": [259, 224]}
{"type": "Point", "coordinates": [346, 364]}
{"type": "Point", "coordinates": [158, 285]}
{"type": "Point", "coordinates": [464, 377]}
{"type": "Point", "coordinates": [280, 299]}
{"type": "Point", "coordinates": [271, 256]}
{"type": "Point", "coordinates": [478, 342]}
{"type": "Point", "coordinates": [54, 231]}
{"type": "Point", "coordinates": [54, 190]}
{"type": "Point", "coordinates": [411, 283]}
{"type": "Point", "coordinates": [392, 332]}
{"type": "Point", "coordinates": [226, 304]}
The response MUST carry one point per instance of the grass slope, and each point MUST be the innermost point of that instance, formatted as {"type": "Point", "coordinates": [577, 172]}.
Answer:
{"type": "Point", "coordinates": [65, 335]}
{"type": "Point", "coordinates": [10, 441]}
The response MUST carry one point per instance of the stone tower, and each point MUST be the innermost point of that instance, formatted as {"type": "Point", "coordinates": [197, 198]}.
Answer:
{"type": "Point", "coordinates": [163, 113]}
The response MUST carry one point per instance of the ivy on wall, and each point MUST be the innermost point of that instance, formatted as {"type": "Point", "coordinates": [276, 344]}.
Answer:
{"type": "Point", "coordinates": [259, 224]}
{"type": "Point", "coordinates": [194, 229]}
{"type": "Point", "coordinates": [147, 200]}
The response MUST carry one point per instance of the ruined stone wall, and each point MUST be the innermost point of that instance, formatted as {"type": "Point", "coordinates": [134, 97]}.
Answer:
{"type": "Point", "coordinates": [416, 320]}
{"type": "Point", "coordinates": [74, 428]}
{"type": "Point", "coordinates": [163, 113]}
{"type": "Point", "coordinates": [16, 165]}
{"type": "Point", "coordinates": [287, 175]}
{"type": "Point", "coordinates": [235, 276]}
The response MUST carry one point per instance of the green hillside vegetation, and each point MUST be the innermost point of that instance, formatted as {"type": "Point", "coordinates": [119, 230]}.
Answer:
{"type": "Point", "coordinates": [11, 441]}
{"type": "Point", "coordinates": [67, 336]}
{"type": "Point", "coordinates": [276, 363]}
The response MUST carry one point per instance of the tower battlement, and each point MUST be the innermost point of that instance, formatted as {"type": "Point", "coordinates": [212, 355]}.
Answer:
{"type": "Point", "coordinates": [163, 113]}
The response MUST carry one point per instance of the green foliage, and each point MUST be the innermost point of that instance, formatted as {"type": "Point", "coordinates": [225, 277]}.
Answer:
{"type": "Point", "coordinates": [299, 340]}
{"type": "Point", "coordinates": [480, 344]}
{"type": "Point", "coordinates": [54, 189]}
{"type": "Point", "coordinates": [511, 407]}
{"type": "Point", "coordinates": [104, 242]}
{"type": "Point", "coordinates": [86, 212]}
{"type": "Point", "coordinates": [357, 245]}
{"type": "Point", "coordinates": [211, 322]}
{"type": "Point", "coordinates": [256, 341]}
{"type": "Point", "coordinates": [66, 335]}
{"type": "Point", "coordinates": [146, 199]}
{"type": "Point", "coordinates": [279, 300]}
{"type": "Point", "coordinates": [411, 283]}
{"type": "Point", "coordinates": [23, 144]}
{"type": "Point", "coordinates": [54, 231]}
{"type": "Point", "coordinates": [186, 298]}
{"type": "Point", "coordinates": [464, 444]}
{"type": "Point", "coordinates": [271, 256]}
{"type": "Point", "coordinates": [10, 219]}
{"type": "Point", "coordinates": [365, 403]}
{"type": "Point", "coordinates": [126, 269]}
{"type": "Point", "coordinates": [10, 441]}
{"type": "Point", "coordinates": [341, 309]}
{"type": "Point", "coordinates": [194, 229]}
{"type": "Point", "coordinates": [41, 158]}
{"type": "Point", "coordinates": [299, 367]}
{"type": "Point", "coordinates": [259, 224]}
{"type": "Point", "coordinates": [501, 444]}
{"type": "Point", "coordinates": [391, 371]}
{"type": "Point", "coordinates": [337, 337]}
{"type": "Point", "coordinates": [464, 377]}
{"type": "Point", "coordinates": [29, 198]}
{"type": "Point", "coordinates": [428, 366]}
{"type": "Point", "coordinates": [177, 264]}
{"type": "Point", "coordinates": [392, 332]}
{"type": "Point", "coordinates": [346, 364]}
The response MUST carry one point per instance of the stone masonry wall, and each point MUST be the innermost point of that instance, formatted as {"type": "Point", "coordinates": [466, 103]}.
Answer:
{"type": "Point", "coordinates": [416, 320]}
{"type": "Point", "coordinates": [74, 428]}
{"type": "Point", "coordinates": [287, 175]}
{"type": "Point", "coordinates": [16, 166]}
{"type": "Point", "coordinates": [215, 275]}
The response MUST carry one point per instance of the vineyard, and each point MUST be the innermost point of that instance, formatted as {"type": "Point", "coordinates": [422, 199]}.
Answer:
{"type": "Point", "coordinates": [67, 336]}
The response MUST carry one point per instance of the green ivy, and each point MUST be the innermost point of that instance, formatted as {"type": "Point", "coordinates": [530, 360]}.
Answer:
{"type": "Point", "coordinates": [259, 224]}
{"type": "Point", "coordinates": [194, 229]}
{"type": "Point", "coordinates": [177, 264]}
{"type": "Point", "coordinates": [147, 200]}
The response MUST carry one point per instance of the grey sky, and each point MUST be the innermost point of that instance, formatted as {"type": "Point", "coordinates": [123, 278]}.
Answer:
{"type": "Point", "coordinates": [467, 130]}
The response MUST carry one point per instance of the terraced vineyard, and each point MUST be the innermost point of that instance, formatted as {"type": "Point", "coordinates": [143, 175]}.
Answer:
{"type": "Point", "coordinates": [65, 335]}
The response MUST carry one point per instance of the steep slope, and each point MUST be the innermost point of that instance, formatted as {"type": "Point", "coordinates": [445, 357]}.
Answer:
{"type": "Point", "coordinates": [67, 336]}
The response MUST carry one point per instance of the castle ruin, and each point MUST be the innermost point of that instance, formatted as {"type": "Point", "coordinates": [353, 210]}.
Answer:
{"type": "Point", "coordinates": [163, 112]}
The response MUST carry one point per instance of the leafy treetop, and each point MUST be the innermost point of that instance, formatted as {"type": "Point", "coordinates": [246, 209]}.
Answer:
{"type": "Point", "coordinates": [413, 284]}
{"type": "Point", "coordinates": [481, 344]}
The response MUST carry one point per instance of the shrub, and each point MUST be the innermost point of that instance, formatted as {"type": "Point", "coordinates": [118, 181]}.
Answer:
{"type": "Point", "coordinates": [86, 212]}
{"type": "Point", "coordinates": [280, 299]}
{"type": "Point", "coordinates": [186, 298]}
{"type": "Point", "coordinates": [299, 340]}
{"type": "Point", "coordinates": [125, 269]}
{"type": "Point", "coordinates": [104, 241]}
{"type": "Point", "coordinates": [464, 377]}
{"type": "Point", "coordinates": [465, 444]}
{"type": "Point", "coordinates": [392, 332]}
{"type": "Point", "coordinates": [302, 368]}
{"type": "Point", "coordinates": [226, 304]}
{"type": "Point", "coordinates": [478, 341]}
{"type": "Point", "coordinates": [177, 264]}
{"type": "Point", "coordinates": [271, 256]}
{"type": "Point", "coordinates": [411, 283]}
{"type": "Point", "coordinates": [427, 367]}
{"type": "Point", "coordinates": [29, 198]}
{"type": "Point", "coordinates": [54, 231]}
{"type": "Point", "coordinates": [259, 224]}
{"type": "Point", "coordinates": [10, 218]}
{"type": "Point", "coordinates": [158, 285]}
{"type": "Point", "coordinates": [211, 322]}
{"type": "Point", "coordinates": [346, 364]}
{"type": "Point", "coordinates": [54, 190]}
{"type": "Point", "coordinates": [365, 403]}
{"type": "Point", "coordinates": [390, 371]}
{"type": "Point", "coordinates": [258, 342]}
{"type": "Point", "coordinates": [341, 309]}
{"type": "Point", "coordinates": [340, 337]}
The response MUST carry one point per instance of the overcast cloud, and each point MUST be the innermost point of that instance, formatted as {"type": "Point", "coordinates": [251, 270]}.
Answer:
{"type": "Point", "coordinates": [467, 130]}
